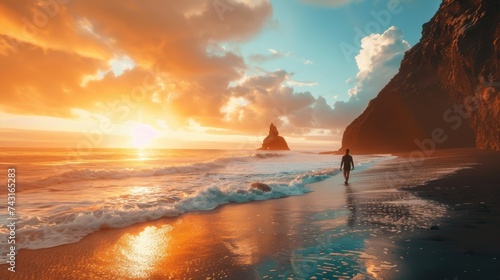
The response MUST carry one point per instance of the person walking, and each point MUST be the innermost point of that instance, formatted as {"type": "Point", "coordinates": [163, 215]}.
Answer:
{"type": "Point", "coordinates": [347, 162]}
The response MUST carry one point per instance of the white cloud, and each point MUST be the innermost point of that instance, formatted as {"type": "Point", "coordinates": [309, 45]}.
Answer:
{"type": "Point", "coordinates": [273, 54]}
{"type": "Point", "coordinates": [270, 96]}
{"type": "Point", "coordinates": [302, 84]}
{"type": "Point", "coordinates": [232, 109]}
{"type": "Point", "coordinates": [276, 54]}
{"type": "Point", "coordinates": [307, 61]}
{"type": "Point", "coordinates": [120, 65]}
{"type": "Point", "coordinates": [268, 99]}
{"type": "Point", "coordinates": [378, 61]}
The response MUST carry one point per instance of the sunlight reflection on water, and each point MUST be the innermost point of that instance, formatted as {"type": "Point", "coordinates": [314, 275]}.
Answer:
{"type": "Point", "coordinates": [138, 255]}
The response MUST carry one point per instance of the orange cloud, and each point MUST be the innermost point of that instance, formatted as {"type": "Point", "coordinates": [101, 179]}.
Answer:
{"type": "Point", "coordinates": [55, 56]}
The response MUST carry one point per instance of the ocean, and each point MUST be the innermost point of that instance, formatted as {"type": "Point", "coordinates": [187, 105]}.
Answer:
{"type": "Point", "coordinates": [62, 195]}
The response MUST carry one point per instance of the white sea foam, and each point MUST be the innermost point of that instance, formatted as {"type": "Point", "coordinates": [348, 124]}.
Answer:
{"type": "Point", "coordinates": [86, 174]}
{"type": "Point", "coordinates": [69, 227]}
{"type": "Point", "coordinates": [63, 209]}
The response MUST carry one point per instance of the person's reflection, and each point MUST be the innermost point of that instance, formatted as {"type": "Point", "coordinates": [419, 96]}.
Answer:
{"type": "Point", "coordinates": [351, 205]}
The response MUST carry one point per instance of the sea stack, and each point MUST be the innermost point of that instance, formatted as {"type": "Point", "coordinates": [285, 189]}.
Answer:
{"type": "Point", "coordinates": [273, 141]}
{"type": "Point", "coordinates": [446, 94]}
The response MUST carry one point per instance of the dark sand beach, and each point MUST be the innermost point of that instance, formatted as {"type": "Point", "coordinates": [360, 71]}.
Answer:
{"type": "Point", "coordinates": [381, 226]}
{"type": "Point", "coordinates": [466, 244]}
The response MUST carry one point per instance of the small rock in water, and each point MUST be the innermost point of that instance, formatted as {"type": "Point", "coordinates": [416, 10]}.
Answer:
{"type": "Point", "coordinates": [434, 228]}
{"type": "Point", "coordinates": [261, 186]}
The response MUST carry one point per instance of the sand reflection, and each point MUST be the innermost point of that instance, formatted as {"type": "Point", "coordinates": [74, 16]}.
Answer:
{"type": "Point", "coordinates": [372, 269]}
{"type": "Point", "coordinates": [137, 255]}
{"type": "Point", "coordinates": [351, 205]}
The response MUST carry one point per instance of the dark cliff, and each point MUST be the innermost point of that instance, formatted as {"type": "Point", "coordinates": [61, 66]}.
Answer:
{"type": "Point", "coordinates": [446, 93]}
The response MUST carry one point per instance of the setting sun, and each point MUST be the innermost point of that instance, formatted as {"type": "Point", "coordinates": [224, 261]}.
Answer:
{"type": "Point", "coordinates": [142, 135]}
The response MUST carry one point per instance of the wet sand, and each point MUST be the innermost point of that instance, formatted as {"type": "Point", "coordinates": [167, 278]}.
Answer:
{"type": "Point", "coordinates": [466, 243]}
{"type": "Point", "coordinates": [367, 230]}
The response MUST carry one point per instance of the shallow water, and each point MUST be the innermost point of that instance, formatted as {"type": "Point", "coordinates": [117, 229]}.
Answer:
{"type": "Point", "coordinates": [355, 237]}
{"type": "Point", "coordinates": [63, 196]}
{"type": "Point", "coordinates": [332, 231]}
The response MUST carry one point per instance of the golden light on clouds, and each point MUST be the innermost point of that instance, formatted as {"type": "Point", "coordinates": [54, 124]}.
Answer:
{"type": "Point", "coordinates": [104, 65]}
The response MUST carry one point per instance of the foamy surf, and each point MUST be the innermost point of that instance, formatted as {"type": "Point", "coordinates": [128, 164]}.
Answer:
{"type": "Point", "coordinates": [64, 175]}
{"type": "Point", "coordinates": [63, 209]}
{"type": "Point", "coordinates": [67, 227]}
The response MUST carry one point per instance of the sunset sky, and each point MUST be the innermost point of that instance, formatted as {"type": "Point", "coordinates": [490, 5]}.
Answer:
{"type": "Point", "coordinates": [197, 73]}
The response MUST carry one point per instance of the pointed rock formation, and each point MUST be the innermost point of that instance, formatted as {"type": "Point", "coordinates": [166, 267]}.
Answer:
{"type": "Point", "coordinates": [273, 141]}
{"type": "Point", "coordinates": [446, 94]}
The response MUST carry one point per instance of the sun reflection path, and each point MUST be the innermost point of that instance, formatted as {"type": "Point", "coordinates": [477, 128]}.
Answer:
{"type": "Point", "coordinates": [138, 255]}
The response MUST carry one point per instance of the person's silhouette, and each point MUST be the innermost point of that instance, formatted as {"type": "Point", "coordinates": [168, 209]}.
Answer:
{"type": "Point", "coordinates": [347, 162]}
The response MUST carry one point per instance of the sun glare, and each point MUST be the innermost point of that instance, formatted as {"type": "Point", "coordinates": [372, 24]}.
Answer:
{"type": "Point", "coordinates": [139, 255]}
{"type": "Point", "coordinates": [143, 135]}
